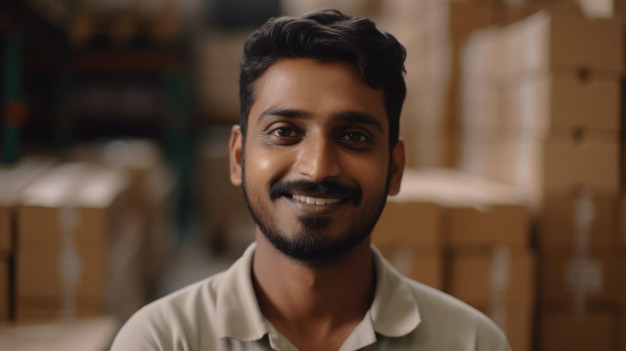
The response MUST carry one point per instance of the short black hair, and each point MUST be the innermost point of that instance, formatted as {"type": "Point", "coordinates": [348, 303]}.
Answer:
{"type": "Point", "coordinates": [333, 36]}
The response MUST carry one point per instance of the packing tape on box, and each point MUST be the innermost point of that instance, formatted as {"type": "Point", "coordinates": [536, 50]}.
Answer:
{"type": "Point", "coordinates": [70, 265]}
{"type": "Point", "coordinates": [499, 280]}
{"type": "Point", "coordinates": [583, 275]}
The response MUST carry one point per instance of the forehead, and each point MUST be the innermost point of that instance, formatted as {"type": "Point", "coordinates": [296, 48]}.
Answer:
{"type": "Point", "coordinates": [317, 88]}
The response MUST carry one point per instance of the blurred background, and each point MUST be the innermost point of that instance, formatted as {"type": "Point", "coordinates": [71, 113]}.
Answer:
{"type": "Point", "coordinates": [114, 189]}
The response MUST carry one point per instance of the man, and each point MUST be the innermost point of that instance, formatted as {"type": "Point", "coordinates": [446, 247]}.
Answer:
{"type": "Point", "coordinates": [317, 153]}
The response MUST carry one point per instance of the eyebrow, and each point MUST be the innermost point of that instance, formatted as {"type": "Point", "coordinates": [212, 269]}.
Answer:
{"type": "Point", "coordinates": [347, 116]}
{"type": "Point", "coordinates": [360, 118]}
{"type": "Point", "coordinates": [282, 112]}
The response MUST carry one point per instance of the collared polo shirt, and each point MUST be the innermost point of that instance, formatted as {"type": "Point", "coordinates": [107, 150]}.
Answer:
{"type": "Point", "coordinates": [222, 313]}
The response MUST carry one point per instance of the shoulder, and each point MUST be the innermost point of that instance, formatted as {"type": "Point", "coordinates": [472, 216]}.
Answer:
{"type": "Point", "coordinates": [438, 321]}
{"type": "Point", "coordinates": [167, 322]}
{"type": "Point", "coordinates": [442, 313]}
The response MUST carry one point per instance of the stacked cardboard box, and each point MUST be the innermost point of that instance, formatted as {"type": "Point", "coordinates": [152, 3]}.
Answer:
{"type": "Point", "coordinates": [490, 264]}
{"type": "Point", "coordinates": [573, 88]}
{"type": "Point", "coordinates": [13, 179]}
{"type": "Point", "coordinates": [150, 197]}
{"type": "Point", "coordinates": [555, 139]}
{"type": "Point", "coordinates": [72, 231]}
{"type": "Point", "coordinates": [552, 110]}
{"type": "Point", "coordinates": [472, 236]}
{"type": "Point", "coordinates": [433, 33]}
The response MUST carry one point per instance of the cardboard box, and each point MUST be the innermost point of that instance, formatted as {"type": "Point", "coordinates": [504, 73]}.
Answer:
{"type": "Point", "coordinates": [516, 320]}
{"type": "Point", "coordinates": [410, 223]}
{"type": "Point", "coordinates": [499, 223]}
{"type": "Point", "coordinates": [556, 166]}
{"type": "Point", "coordinates": [502, 274]}
{"type": "Point", "coordinates": [567, 331]}
{"type": "Point", "coordinates": [475, 211]}
{"type": "Point", "coordinates": [570, 220]}
{"type": "Point", "coordinates": [5, 288]}
{"type": "Point", "coordinates": [481, 91]}
{"type": "Point", "coordinates": [566, 43]}
{"type": "Point", "coordinates": [584, 278]}
{"type": "Point", "coordinates": [49, 274]}
{"type": "Point", "coordinates": [13, 179]}
{"type": "Point", "coordinates": [421, 263]}
{"type": "Point", "coordinates": [42, 228]}
{"type": "Point", "coordinates": [92, 334]}
{"type": "Point", "coordinates": [150, 194]}
{"type": "Point", "coordinates": [594, 165]}
{"type": "Point", "coordinates": [548, 105]}
{"type": "Point", "coordinates": [428, 144]}
{"type": "Point", "coordinates": [149, 182]}
{"type": "Point", "coordinates": [439, 39]}
{"type": "Point", "coordinates": [68, 223]}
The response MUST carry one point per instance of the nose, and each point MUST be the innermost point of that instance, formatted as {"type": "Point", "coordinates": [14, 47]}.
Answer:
{"type": "Point", "coordinates": [318, 159]}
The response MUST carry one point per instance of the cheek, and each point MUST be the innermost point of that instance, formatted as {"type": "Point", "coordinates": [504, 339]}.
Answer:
{"type": "Point", "coordinates": [264, 165]}
{"type": "Point", "coordinates": [372, 173]}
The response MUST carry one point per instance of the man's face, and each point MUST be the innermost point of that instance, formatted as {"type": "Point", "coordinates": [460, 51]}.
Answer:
{"type": "Point", "coordinates": [315, 166]}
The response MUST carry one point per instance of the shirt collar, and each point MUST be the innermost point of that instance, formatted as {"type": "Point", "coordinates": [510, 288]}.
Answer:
{"type": "Point", "coordinates": [394, 311]}
{"type": "Point", "coordinates": [238, 311]}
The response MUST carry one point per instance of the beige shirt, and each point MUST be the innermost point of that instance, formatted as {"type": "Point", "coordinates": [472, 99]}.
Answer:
{"type": "Point", "coordinates": [222, 313]}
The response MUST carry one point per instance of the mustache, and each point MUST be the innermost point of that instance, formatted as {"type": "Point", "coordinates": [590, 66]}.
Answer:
{"type": "Point", "coordinates": [326, 188]}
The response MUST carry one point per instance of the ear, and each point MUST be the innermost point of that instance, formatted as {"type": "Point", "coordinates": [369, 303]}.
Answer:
{"type": "Point", "coordinates": [397, 167]}
{"type": "Point", "coordinates": [235, 148]}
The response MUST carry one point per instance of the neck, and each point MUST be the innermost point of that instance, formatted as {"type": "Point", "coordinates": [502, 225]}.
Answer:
{"type": "Point", "coordinates": [314, 298]}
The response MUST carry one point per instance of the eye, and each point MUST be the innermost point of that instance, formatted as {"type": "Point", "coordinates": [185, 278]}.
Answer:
{"type": "Point", "coordinates": [355, 137]}
{"type": "Point", "coordinates": [283, 135]}
{"type": "Point", "coordinates": [356, 140]}
{"type": "Point", "coordinates": [284, 132]}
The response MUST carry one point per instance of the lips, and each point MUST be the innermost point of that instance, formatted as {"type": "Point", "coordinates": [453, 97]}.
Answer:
{"type": "Point", "coordinates": [309, 200]}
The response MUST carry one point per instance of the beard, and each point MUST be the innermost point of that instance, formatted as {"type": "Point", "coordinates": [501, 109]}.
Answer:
{"type": "Point", "coordinates": [308, 243]}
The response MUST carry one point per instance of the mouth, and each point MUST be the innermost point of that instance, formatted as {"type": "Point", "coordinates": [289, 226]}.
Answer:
{"type": "Point", "coordinates": [317, 201]}
{"type": "Point", "coordinates": [325, 195]}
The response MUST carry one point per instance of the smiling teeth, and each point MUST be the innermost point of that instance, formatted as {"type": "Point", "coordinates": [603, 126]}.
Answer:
{"type": "Point", "coordinates": [315, 200]}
